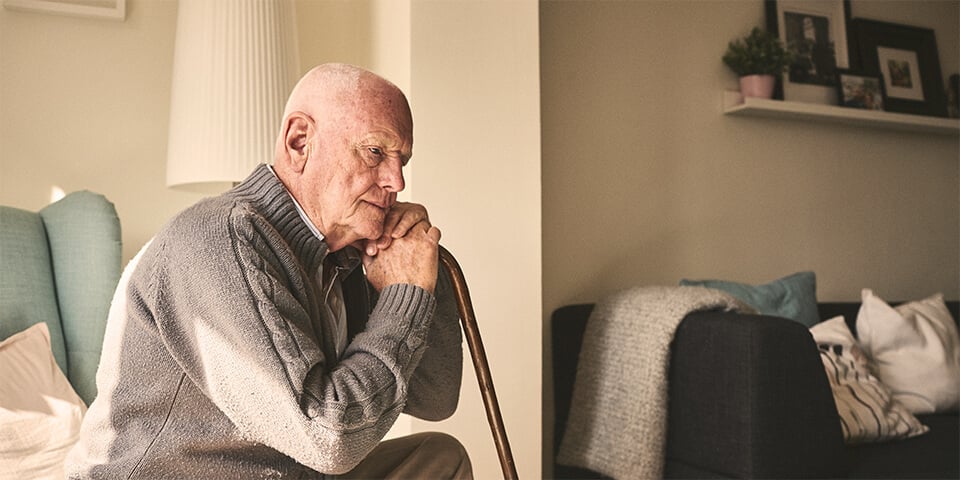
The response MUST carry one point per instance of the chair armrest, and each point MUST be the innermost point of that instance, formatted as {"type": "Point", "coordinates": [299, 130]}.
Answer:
{"type": "Point", "coordinates": [749, 398]}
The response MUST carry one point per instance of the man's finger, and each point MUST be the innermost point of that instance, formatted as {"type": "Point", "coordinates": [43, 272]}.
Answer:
{"type": "Point", "coordinates": [391, 221]}
{"type": "Point", "coordinates": [371, 248]}
{"type": "Point", "coordinates": [434, 234]}
{"type": "Point", "coordinates": [407, 222]}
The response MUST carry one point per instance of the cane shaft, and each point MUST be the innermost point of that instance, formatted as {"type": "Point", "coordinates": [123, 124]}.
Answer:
{"type": "Point", "coordinates": [479, 356]}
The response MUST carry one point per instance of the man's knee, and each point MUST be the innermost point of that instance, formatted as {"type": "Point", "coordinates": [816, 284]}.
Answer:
{"type": "Point", "coordinates": [448, 451]}
{"type": "Point", "coordinates": [444, 444]}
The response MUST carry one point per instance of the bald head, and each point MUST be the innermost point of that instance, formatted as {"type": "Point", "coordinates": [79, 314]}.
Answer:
{"type": "Point", "coordinates": [322, 84]}
{"type": "Point", "coordinates": [327, 90]}
{"type": "Point", "coordinates": [345, 136]}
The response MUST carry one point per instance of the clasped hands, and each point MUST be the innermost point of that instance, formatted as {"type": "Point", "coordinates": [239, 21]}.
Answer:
{"type": "Point", "coordinates": [407, 250]}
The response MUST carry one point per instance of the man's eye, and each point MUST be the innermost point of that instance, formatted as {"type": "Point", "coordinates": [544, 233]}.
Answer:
{"type": "Point", "coordinates": [372, 156]}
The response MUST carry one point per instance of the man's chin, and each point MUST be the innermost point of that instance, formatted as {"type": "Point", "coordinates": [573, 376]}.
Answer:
{"type": "Point", "coordinates": [370, 235]}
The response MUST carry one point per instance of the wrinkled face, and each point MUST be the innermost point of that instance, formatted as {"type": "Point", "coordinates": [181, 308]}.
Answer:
{"type": "Point", "coordinates": [354, 170]}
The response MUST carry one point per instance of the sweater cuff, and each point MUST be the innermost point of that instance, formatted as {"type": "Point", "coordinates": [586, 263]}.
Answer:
{"type": "Point", "coordinates": [404, 304]}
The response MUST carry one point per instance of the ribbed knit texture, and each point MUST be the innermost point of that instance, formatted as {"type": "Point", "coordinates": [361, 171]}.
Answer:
{"type": "Point", "coordinates": [218, 363]}
{"type": "Point", "coordinates": [618, 412]}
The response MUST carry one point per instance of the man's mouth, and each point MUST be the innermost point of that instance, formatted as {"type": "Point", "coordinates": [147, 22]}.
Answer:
{"type": "Point", "coordinates": [383, 208]}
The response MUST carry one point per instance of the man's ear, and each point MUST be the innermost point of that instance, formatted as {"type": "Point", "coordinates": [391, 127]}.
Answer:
{"type": "Point", "coordinates": [296, 138]}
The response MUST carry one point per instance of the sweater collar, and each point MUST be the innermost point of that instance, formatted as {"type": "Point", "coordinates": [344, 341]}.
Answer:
{"type": "Point", "coordinates": [306, 219]}
{"type": "Point", "coordinates": [272, 200]}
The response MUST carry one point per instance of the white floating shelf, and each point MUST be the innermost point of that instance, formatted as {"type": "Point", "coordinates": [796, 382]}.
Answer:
{"type": "Point", "coordinates": [735, 104]}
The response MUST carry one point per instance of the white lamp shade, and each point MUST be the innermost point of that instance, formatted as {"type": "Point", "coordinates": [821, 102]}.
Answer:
{"type": "Point", "coordinates": [235, 62]}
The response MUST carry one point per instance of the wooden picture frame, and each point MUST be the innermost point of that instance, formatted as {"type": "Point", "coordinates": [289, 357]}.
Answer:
{"type": "Point", "coordinates": [108, 9]}
{"type": "Point", "coordinates": [856, 89]}
{"type": "Point", "coordinates": [907, 58]}
{"type": "Point", "coordinates": [816, 32]}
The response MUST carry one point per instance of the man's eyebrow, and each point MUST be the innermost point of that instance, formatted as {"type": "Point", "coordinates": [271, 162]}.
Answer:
{"type": "Point", "coordinates": [387, 146]}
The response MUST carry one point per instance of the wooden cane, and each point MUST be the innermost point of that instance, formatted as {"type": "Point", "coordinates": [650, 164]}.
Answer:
{"type": "Point", "coordinates": [479, 356]}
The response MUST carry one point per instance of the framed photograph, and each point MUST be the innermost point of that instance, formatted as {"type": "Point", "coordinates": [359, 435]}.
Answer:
{"type": "Point", "coordinates": [857, 90]}
{"type": "Point", "coordinates": [109, 9]}
{"type": "Point", "coordinates": [816, 32]}
{"type": "Point", "coordinates": [908, 60]}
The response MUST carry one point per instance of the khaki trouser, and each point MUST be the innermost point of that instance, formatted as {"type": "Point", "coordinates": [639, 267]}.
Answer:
{"type": "Point", "coordinates": [422, 456]}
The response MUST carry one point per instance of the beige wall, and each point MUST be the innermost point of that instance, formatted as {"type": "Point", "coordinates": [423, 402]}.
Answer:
{"type": "Point", "coordinates": [475, 85]}
{"type": "Point", "coordinates": [645, 181]}
{"type": "Point", "coordinates": [84, 105]}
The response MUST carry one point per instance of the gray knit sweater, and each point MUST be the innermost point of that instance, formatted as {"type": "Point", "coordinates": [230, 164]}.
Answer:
{"type": "Point", "coordinates": [218, 363]}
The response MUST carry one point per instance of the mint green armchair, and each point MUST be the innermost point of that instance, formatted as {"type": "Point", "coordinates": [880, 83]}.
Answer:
{"type": "Point", "coordinates": [60, 266]}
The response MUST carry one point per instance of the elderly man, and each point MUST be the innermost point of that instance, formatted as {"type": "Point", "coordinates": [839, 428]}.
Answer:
{"type": "Point", "coordinates": [246, 340]}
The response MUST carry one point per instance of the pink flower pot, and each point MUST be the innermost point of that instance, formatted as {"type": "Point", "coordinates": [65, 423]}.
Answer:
{"type": "Point", "coordinates": [757, 86]}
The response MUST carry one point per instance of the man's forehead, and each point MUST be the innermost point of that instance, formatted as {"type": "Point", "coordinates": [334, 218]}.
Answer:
{"type": "Point", "coordinates": [335, 87]}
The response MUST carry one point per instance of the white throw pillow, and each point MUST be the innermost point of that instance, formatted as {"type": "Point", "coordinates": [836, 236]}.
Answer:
{"type": "Point", "coordinates": [916, 350]}
{"type": "Point", "coordinates": [40, 413]}
{"type": "Point", "coordinates": [868, 412]}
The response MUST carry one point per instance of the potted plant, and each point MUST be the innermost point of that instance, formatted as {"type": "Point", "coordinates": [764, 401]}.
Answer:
{"type": "Point", "coordinates": [757, 58]}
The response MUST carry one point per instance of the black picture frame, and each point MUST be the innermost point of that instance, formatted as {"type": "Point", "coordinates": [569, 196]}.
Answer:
{"type": "Point", "coordinates": [909, 62]}
{"type": "Point", "coordinates": [857, 89]}
{"type": "Point", "coordinates": [826, 17]}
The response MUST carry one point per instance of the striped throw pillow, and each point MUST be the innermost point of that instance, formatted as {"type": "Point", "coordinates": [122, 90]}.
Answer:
{"type": "Point", "coordinates": [868, 412]}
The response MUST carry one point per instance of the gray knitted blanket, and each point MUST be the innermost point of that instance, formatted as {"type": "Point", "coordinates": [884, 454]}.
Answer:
{"type": "Point", "coordinates": [618, 413]}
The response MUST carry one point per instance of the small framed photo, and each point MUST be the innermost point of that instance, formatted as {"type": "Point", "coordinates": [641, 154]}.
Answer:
{"type": "Point", "coordinates": [857, 90]}
{"type": "Point", "coordinates": [909, 63]}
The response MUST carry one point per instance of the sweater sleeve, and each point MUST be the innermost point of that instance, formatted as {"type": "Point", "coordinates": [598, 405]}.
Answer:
{"type": "Point", "coordinates": [238, 314]}
{"type": "Point", "coordinates": [435, 386]}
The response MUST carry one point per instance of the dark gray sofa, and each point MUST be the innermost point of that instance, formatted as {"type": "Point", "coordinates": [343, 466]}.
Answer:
{"type": "Point", "coordinates": [749, 399]}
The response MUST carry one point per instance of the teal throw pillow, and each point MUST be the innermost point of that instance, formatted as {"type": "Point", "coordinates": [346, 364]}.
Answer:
{"type": "Point", "coordinates": [793, 296]}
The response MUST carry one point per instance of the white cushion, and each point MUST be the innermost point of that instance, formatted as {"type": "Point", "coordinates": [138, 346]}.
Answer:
{"type": "Point", "coordinates": [868, 412]}
{"type": "Point", "coordinates": [916, 350]}
{"type": "Point", "coordinates": [40, 413]}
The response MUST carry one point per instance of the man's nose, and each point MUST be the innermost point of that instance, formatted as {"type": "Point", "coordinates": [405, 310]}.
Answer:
{"type": "Point", "coordinates": [391, 175]}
